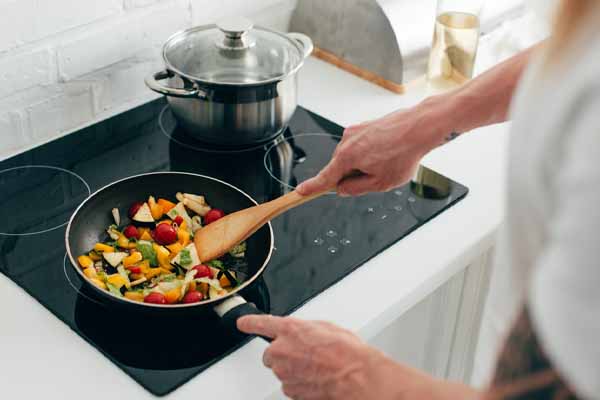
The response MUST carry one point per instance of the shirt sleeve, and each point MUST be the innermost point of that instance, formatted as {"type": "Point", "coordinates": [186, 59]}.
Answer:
{"type": "Point", "coordinates": [564, 296]}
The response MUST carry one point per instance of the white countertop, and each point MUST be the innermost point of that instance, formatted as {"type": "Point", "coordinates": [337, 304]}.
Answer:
{"type": "Point", "coordinates": [41, 357]}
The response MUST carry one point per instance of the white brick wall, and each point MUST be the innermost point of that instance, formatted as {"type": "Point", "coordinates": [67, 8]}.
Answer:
{"type": "Point", "coordinates": [65, 64]}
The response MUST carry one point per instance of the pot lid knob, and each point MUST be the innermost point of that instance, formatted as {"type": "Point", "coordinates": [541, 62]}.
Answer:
{"type": "Point", "coordinates": [234, 27]}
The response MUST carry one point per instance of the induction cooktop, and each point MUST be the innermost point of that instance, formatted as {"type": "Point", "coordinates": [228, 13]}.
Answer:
{"type": "Point", "coordinates": [316, 245]}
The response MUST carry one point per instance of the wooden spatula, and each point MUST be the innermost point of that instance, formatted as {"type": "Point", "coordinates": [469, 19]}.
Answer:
{"type": "Point", "coordinates": [217, 238]}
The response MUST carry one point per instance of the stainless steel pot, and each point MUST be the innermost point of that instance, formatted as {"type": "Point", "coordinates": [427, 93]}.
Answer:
{"type": "Point", "coordinates": [231, 83]}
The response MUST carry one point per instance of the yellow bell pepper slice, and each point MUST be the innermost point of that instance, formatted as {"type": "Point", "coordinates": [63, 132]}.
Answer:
{"type": "Point", "coordinates": [85, 261]}
{"type": "Point", "coordinates": [224, 281]}
{"type": "Point", "coordinates": [117, 280]}
{"type": "Point", "coordinates": [90, 272]}
{"type": "Point", "coordinates": [162, 254]}
{"type": "Point", "coordinates": [155, 209]}
{"type": "Point", "coordinates": [135, 296]}
{"type": "Point", "coordinates": [101, 247]}
{"type": "Point", "coordinates": [145, 234]}
{"type": "Point", "coordinates": [152, 272]}
{"type": "Point", "coordinates": [98, 283]}
{"type": "Point", "coordinates": [174, 248]}
{"type": "Point", "coordinates": [166, 205]}
{"type": "Point", "coordinates": [183, 236]}
{"type": "Point", "coordinates": [172, 296]}
{"type": "Point", "coordinates": [132, 259]}
{"type": "Point", "coordinates": [94, 256]}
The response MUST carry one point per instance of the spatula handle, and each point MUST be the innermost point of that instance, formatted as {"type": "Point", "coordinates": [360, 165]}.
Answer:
{"type": "Point", "coordinates": [290, 200]}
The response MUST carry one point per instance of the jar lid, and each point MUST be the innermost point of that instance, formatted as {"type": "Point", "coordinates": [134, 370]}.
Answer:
{"type": "Point", "coordinates": [235, 52]}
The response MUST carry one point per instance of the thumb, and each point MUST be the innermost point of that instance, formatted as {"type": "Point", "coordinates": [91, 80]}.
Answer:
{"type": "Point", "coordinates": [327, 178]}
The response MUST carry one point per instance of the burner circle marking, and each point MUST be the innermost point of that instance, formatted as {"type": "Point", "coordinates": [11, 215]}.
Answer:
{"type": "Point", "coordinates": [77, 290]}
{"type": "Point", "coordinates": [59, 169]}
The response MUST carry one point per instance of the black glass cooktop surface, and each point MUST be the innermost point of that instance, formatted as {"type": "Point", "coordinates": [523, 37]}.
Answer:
{"type": "Point", "coordinates": [316, 245]}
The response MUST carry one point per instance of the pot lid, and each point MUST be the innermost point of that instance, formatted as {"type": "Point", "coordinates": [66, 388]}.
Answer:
{"type": "Point", "coordinates": [234, 52]}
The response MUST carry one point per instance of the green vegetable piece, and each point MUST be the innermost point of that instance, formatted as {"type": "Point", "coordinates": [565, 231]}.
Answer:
{"type": "Point", "coordinates": [238, 250]}
{"type": "Point", "coordinates": [148, 253]}
{"type": "Point", "coordinates": [113, 289]}
{"type": "Point", "coordinates": [216, 264]}
{"type": "Point", "coordinates": [185, 258]}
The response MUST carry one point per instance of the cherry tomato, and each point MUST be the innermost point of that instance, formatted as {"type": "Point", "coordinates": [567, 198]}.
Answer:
{"type": "Point", "coordinates": [131, 232]}
{"type": "Point", "coordinates": [155, 298]}
{"type": "Point", "coordinates": [134, 209]}
{"type": "Point", "coordinates": [178, 220]}
{"type": "Point", "coordinates": [165, 234]}
{"type": "Point", "coordinates": [203, 271]}
{"type": "Point", "coordinates": [192, 297]}
{"type": "Point", "coordinates": [135, 269]}
{"type": "Point", "coordinates": [213, 215]}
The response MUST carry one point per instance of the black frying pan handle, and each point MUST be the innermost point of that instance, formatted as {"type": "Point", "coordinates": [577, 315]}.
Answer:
{"type": "Point", "coordinates": [229, 319]}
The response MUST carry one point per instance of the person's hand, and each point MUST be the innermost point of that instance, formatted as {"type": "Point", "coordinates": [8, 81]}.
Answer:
{"type": "Point", "coordinates": [379, 155]}
{"type": "Point", "coordinates": [318, 360]}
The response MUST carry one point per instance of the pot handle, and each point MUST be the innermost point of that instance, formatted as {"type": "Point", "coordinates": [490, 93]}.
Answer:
{"type": "Point", "coordinates": [152, 82]}
{"type": "Point", "coordinates": [234, 308]}
{"type": "Point", "coordinates": [305, 42]}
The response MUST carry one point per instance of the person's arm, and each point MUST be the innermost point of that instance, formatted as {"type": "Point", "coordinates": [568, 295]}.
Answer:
{"type": "Point", "coordinates": [318, 360]}
{"type": "Point", "coordinates": [387, 150]}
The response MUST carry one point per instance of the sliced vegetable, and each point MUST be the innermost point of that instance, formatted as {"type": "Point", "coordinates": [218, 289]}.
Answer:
{"type": "Point", "coordinates": [148, 252]}
{"type": "Point", "coordinates": [166, 205]}
{"type": "Point", "coordinates": [114, 259]}
{"type": "Point", "coordinates": [113, 289]}
{"type": "Point", "coordinates": [90, 272]}
{"type": "Point", "coordinates": [135, 296]}
{"type": "Point", "coordinates": [194, 197]}
{"type": "Point", "coordinates": [94, 256]}
{"type": "Point", "coordinates": [143, 215]}
{"type": "Point", "coordinates": [196, 207]}
{"type": "Point", "coordinates": [98, 283]}
{"type": "Point", "coordinates": [196, 223]}
{"type": "Point", "coordinates": [155, 209]}
{"type": "Point", "coordinates": [183, 236]}
{"type": "Point", "coordinates": [174, 248]}
{"type": "Point", "coordinates": [180, 210]}
{"type": "Point", "coordinates": [239, 250]}
{"type": "Point", "coordinates": [172, 296]}
{"type": "Point", "coordinates": [116, 280]}
{"type": "Point", "coordinates": [116, 216]}
{"type": "Point", "coordinates": [139, 281]}
{"type": "Point", "coordinates": [132, 259]}
{"type": "Point", "coordinates": [85, 261]}
{"type": "Point", "coordinates": [179, 220]}
{"type": "Point", "coordinates": [227, 279]}
{"type": "Point", "coordinates": [163, 256]}
{"type": "Point", "coordinates": [135, 207]}
{"type": "Point", "coordinates": [187, 257]}
{"type": "Point", "coordinates": [113, 233]}
{"type": "Point", "coordinates": [124, 275]}
{"type": "Point", "coordinates": [103, 248]}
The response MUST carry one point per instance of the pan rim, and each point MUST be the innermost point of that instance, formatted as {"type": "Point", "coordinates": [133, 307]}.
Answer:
{"type": "Point", "coordinates": [167, 306]}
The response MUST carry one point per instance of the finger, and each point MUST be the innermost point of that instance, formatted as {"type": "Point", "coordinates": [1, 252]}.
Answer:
{"type": "Point", "coordinates": [263, 325]}
{"type": "Point", "coordinates": [358, 185]}
{"type": "Point", "coordinates": [327, 178]}
{"type": "Point", "coordinates": [268, 358]}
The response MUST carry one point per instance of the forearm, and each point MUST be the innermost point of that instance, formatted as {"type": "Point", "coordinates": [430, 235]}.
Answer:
{"type": "Point", "coordinates": [485, 100]}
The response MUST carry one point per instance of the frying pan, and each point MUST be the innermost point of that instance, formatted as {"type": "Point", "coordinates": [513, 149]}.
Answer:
{"type": "Point", "coordinates": [90, 220]}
